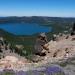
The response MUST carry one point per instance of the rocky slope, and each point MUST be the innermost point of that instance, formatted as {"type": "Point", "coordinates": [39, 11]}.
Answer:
{"type": "Point", "coordinates": [60, 51]}
{"type": "Point", "coordinates": [62, 48]}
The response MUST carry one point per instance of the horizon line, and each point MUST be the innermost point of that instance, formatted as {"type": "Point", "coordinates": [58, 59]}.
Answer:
{"type": "Point", "coordinates": [40, 16]}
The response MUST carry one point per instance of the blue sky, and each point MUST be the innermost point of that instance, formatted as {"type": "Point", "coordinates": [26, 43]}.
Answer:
{"type": "Point", "coordinates": [55, 8]}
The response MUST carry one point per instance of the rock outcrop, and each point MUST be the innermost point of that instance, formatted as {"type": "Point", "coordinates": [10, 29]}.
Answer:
{"type": "Point", "coordinates": [62, 48]}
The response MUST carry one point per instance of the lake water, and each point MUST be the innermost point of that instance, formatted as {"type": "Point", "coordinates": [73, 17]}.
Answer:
{"type": "Point", "coordinates": [24, 28]}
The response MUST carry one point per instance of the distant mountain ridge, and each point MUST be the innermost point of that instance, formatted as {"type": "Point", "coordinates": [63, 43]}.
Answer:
{"type": "Point", "coordinates": [35, 19]}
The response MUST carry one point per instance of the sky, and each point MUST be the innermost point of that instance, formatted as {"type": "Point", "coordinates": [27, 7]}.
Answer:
{"type": "Point", "coordinates": [52, 8]}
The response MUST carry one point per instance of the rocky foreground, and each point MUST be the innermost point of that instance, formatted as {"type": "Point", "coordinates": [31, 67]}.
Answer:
{"type": "Point", "coordinates": [61, 52]}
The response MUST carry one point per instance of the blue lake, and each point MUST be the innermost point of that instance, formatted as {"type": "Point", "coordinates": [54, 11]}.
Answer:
{"type": "Point", "coordinates": [24, 28]}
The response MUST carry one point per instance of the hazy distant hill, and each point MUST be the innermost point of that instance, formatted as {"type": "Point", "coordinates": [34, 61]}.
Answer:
{"type": "Point", "coordinates": [35, 19]}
